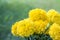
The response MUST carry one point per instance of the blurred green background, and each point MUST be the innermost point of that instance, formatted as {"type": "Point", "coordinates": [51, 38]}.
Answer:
{"type": "Point", "coordinates": [15, 10]}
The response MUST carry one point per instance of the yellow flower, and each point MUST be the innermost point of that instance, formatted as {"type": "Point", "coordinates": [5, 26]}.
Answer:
{"type": "Point", "coordinates": [40, 26]}
{"type": "Point", "coordinates": [37, 14]}
{"type": "Point", "coordinates": [51, 13]}
{"type": "Point", "coordinates": [25, 28]}
{"type": "Point", "coordinates": [56, 19]}
{"type": "Point", "coordinates": [54, 31]}
{"type": "Point", "coordinates": [14, 29]}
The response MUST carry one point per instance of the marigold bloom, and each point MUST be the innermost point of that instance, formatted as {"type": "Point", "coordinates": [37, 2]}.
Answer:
{"type": "Point", "coordinates": [40, 26]}
{"type": "Point", "coordinates": [37, 14]}
{"type": "Point", "coordinates": [25, 28]}
{"type": "Point", "coordinates": [51, 13]}
{"type": "Point", "coordinates": [54, 31]}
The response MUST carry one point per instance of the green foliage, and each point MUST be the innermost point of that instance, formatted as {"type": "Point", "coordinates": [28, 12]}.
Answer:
{"type": "Point", "coordinates": [37, 37]}
{"type": "Point", "coordinates": [40, 37]}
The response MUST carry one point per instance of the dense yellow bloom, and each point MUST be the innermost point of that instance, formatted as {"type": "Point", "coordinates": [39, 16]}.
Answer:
{"type": "Point", "coordinates": [39, 20]}
{"type": "Point", "coordinates": [54, 31]}
{"type": "Point", "coordinates": [25, 28]}
{"type": "Point", "coordinates": [37, 14]}
{"type": "Point", "coordinates": [40, 26]}
{"type": "Point", "coordinates": [51, 13]}
{"type": "Point", "coordinates": [14, 29]}
{"type": "Point", "coordinates": [56, 19]}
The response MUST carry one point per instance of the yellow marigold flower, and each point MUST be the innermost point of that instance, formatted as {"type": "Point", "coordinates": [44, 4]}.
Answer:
{"type": "Point", "coordinates": [25, 28]}
{"type": "Point", "coordinates": [40, 26]}
{"type": "Point", "coordinates": [54, 31]}
{"type": "Point", "coordinates": [51, 13]}
{"type": "Point", "coordinates": [56, 19]}
{"type": "Point", "coordinates": [14, 29]}
{"type": "Point", "coordinates": [37, 14]}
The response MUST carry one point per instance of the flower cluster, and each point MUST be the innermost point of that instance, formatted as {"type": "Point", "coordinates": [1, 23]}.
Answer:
{"type": "Point", "coordinates": [54, 29]}
{"type": "Point", "coordinates": [37, 23]}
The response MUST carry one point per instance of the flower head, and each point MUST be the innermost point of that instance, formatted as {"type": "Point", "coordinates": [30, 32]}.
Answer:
{"type": "Point", "coordinates": [37, 14]}
{"type": "Point", "coordinates": [25, 28]}
{"type": "Point", "coordinates": [54, 31]}
{"type": "Point", "coordinates": [51, 13]}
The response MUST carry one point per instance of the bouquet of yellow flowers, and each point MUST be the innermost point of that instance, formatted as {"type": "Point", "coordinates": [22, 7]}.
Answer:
{"type": "Point", "coordinates": [40, 25]}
